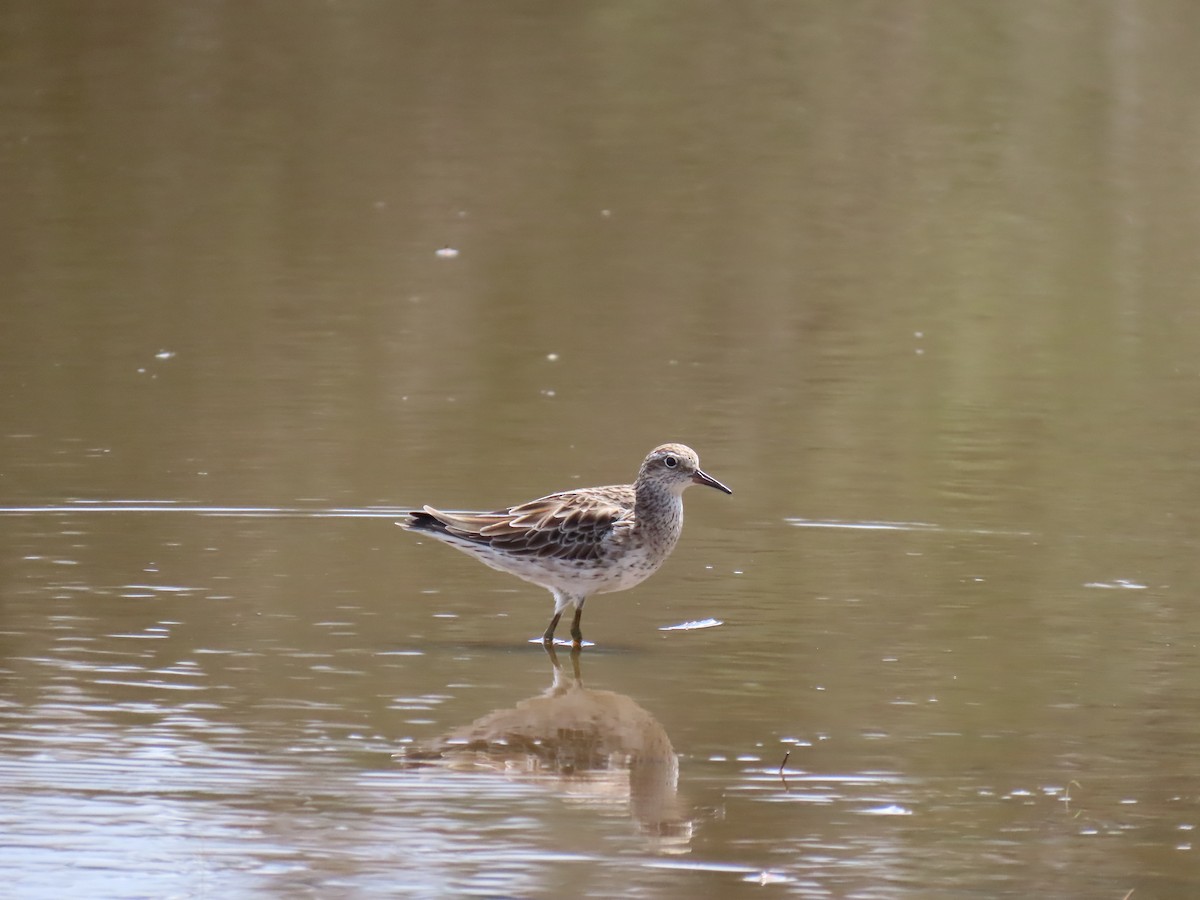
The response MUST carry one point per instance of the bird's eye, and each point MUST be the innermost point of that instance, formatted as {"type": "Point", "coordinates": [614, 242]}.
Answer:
{"type": "Point", "coordinates": [670, 462]}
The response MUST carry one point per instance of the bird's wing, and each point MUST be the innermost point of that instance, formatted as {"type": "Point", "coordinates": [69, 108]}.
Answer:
{"type": "Point", "coordinates": [572, 525]}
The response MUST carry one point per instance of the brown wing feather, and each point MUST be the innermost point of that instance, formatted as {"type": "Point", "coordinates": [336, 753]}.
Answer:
{"type": "Point", "coordinates": [569, 526]}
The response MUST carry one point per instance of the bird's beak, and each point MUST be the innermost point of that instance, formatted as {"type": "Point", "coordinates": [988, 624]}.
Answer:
{"type": "Point", "coordinates": [701, 477]}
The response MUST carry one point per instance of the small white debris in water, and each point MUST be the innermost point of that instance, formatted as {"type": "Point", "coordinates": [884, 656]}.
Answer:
{"type": "Point", "coordinates": [1118, 584]}
{"type": "Point", "coordinates": [891, 809]}
{"type": "Point", "coordinates": [165, 354]}
{"type": "Point", "coordinates": [546, 392]}
{"type": "Point", "coordinates": [447, 253]}
{"type": "Point", "coordinates": [552, 357]}
{"type": "Point", "coordinates": [766, 877]}
{"type": "Point", "coordinates": [692, 626]}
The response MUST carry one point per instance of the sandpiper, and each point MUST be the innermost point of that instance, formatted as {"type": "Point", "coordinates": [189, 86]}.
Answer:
{"type": "Point", "coordinates": [581, 542]}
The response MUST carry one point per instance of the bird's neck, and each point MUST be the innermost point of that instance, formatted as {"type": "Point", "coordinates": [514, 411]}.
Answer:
{"type": "Point", "coordinates": [658, 513]}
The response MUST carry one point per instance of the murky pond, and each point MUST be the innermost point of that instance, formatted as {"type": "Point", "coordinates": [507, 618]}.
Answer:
{"type": "Point", "coordinates": [917, 280]}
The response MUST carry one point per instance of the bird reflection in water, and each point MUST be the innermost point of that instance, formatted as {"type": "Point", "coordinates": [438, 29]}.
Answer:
{"type": "Point", "coordinates": [598, 747]}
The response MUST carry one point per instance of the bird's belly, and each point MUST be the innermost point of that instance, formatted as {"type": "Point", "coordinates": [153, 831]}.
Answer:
{"type": "Point", "coordinates": [581, 576]}
{"type": "Point", "coordinates": [631, 571]}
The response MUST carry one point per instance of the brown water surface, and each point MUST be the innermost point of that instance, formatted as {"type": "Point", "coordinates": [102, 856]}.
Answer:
{"type": "Point", "coordinates": [919, 282]}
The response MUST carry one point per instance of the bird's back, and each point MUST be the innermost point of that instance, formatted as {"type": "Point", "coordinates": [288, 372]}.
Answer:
{"type": "Point", "coordinates": [569, 525]}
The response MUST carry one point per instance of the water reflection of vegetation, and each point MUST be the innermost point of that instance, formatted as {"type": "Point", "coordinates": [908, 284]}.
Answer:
{"type": "Point", "coordinates": [597, 746]}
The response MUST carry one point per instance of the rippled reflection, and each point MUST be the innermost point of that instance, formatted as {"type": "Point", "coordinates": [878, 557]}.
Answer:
{"type": "Point", "coordinates": [596, 747]}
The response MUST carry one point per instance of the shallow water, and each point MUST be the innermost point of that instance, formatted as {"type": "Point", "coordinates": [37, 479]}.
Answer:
{"type": "Point", "coordinates": [917, 281]}
{"type": "Point", "coordinates": [211, 723]}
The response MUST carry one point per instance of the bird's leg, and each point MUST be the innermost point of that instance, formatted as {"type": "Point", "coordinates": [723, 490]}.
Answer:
{"type": "Point", "coordinates": [576, 633]}
{"type": "Point", "coordinates": [548, 637]}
